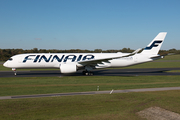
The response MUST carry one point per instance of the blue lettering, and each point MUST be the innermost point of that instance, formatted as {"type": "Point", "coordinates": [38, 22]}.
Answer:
{"type": "Point", "coordinates": [79, 58]}
{"type": "Point", "coordinates": [67, 58]}
{"type": "Point", "coordinates": [88, 57]}
{"type": "Point", "coordinates": [57, 58]}
{"type": "Point", "coordinates": [51, 58]}
{"type": "Point", "coordinates": [27, 58]}
{"type": "Point", "coordinates": [44, 57]}
{"type": "Point", "coordinates": [36, 59]}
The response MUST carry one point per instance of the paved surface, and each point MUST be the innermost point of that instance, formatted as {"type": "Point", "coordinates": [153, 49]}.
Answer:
{"type": "Point", "coordinates": [91, 93]}
{"type": "Point", "coordinates": [103, 72]}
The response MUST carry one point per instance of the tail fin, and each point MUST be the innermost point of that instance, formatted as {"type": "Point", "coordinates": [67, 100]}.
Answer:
{"type": "Point", "coordinates": [155, 45]}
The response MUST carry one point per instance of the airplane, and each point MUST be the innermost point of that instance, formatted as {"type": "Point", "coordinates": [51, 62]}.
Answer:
{"type": "Point", "coordinates": [72, 62]}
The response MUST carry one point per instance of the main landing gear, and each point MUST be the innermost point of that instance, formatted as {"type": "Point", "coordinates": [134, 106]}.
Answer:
{"type": "Point", "coordinates": [15, 72]}
{"type": "Point", "coordinates": [87, 73]}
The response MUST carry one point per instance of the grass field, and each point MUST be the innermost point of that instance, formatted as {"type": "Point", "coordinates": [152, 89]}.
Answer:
{"type": "Point", "coordinates": [43, 85]}
{"type": "Point", "coordinates": [122, 106]}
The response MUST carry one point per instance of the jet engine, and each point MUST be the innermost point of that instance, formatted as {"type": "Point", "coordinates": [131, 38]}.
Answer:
{"type": "Point", "coordinates": [68, 68]}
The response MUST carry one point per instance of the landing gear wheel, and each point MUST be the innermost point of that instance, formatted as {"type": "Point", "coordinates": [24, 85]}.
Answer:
{"type": "Point", "coordinates": [87, 73]}
{"type": "Point", "coordinates": [90, 73]}
{"type": "Point", "coordinates": [84, 72]}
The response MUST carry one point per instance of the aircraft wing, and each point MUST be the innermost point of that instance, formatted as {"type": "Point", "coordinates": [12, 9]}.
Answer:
{"type": "Point", "coordinates": [99, 61]}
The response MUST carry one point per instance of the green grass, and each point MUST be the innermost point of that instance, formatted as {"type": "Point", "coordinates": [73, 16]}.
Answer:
{"type": "Point", "coordinates": [171, 57]}
{"type": "Point", "coordinates": [43, 85]}
{"type": "Point", "coordinates": [122, 106]}
{"type": "Point", "coordinates": [2, 68]}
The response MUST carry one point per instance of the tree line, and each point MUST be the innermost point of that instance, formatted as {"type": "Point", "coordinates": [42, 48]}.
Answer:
{"type": "Point", "coordinates": [5, 54]}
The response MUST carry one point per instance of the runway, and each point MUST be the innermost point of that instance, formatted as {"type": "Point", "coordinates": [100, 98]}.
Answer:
{"type": "Point", "coordinates": [98, 72]}
{"type": "Point", "coordinates": [90, 93]}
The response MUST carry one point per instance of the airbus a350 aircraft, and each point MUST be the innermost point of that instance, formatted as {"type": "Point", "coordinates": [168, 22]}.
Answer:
{"type": "Point", "coordinates": [72, 62]}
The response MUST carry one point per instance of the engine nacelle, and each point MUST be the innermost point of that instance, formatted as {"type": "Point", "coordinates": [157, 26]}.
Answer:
{"type": "Point", "coordinates": [68, 68]}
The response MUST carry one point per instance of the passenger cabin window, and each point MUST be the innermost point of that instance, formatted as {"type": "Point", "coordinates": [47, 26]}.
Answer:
{"type": "Point", "coordinates": [10, 59]}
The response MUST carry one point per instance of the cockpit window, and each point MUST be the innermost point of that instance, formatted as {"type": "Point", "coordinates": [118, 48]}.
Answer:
{"type": "Point", "coordinates": [10, 59]}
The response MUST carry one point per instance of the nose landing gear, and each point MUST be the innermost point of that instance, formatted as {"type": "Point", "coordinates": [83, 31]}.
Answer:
{"type": "Point", "coordinates": [15, 72]}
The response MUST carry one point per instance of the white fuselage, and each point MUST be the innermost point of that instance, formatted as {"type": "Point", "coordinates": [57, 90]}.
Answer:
{"type": "Point", "coordinates": [54, 60]}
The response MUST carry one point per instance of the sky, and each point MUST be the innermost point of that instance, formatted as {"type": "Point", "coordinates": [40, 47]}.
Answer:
{"type": "Point", "coordinates": [88, 24]}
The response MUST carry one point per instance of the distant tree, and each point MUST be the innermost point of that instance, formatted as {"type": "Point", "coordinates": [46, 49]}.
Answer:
{"type": "Point", "coordinates": [35, 50]}
{"type": "Point", "coordinates": [97, 50]}
{"type": "Point", "coordinates": [126, 50]}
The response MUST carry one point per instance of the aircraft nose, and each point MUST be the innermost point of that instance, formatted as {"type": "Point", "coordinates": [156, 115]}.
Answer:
{"type": "Point", "coordinates": [5, 64]}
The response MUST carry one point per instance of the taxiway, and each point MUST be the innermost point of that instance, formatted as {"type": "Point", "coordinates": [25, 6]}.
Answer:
{"type": "Point", "coordinates": [98, 72]}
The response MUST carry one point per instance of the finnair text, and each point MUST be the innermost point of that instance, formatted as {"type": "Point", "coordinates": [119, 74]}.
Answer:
{"type": "Point", "coordinates": [52, 58]}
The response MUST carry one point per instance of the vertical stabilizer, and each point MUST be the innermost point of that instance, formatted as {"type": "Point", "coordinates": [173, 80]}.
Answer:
{"type": "Point", "coordinates": [155, 45]}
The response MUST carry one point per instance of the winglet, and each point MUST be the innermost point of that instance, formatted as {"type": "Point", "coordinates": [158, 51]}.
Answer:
{"type": "Point", "coordinates": [136, 51]}
{"type": "Point", "coordinates": [155, 45]}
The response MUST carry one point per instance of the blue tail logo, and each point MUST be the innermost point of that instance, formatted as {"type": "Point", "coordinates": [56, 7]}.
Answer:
{"type": "Point", "coordinates": [154, 44]}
